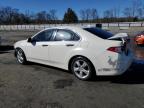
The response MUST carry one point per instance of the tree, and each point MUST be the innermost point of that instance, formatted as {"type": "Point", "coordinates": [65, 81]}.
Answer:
{"type": "Point", "coordinates": [140, 12]}
{"type": "Point", "coordinates": [70, 16]}
{"type": "Point", "coordinates": [139, 9]}
{"type": "Point", "coordinates": [83, 15]}
{"type": "Point", "coordinates": [52, 16]}
{"type": "Point", "coordinates": [136, 4]}
{"type": "Point", "coordinates": [28, 17]}
{"type": "Point", "coordinates": [41, 17]}
{"type": "Point", "coordinates": [116, 12]}
{"type": "Point", "coordinates": [86, 14]}
{"type": "Point", "coordinates": [134, 10]}
{"type": "Point", "coordinates": [94, 14]}
{"type": "Point", "coordinates": [10, 15]}
{"type": "Point", "coordinates": [108, 14]}
{"type": "Point", "coordinates": [89, 14]}
{"type": "Point", "coordinates": [127, 12]}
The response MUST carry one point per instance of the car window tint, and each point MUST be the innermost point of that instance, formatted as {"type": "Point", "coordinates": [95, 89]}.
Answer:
{"type": "Point", "coordinates": [65, 35]}
{"type": "Point", "coordinates": [44, 36]}
{"type": "Point", "coordinates": [99, 32]}
{"type": "Point", "coordinates": [75, 37]}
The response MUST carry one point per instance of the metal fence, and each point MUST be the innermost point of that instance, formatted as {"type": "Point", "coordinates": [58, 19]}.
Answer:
{"type": "Point", "coordinates": [125, 25]}
{"type": "Point", "coordinates": [40, 26]}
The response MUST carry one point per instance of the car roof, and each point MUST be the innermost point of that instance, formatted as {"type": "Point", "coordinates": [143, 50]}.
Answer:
{"type": "Point", "coordinates": [78, 30]}
{"type": "Point", "coordinates": [65, 27]}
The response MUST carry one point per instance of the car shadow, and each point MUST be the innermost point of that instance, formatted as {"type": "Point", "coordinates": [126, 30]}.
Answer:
{"type": "Point", "coordinates": [134, 75]}
{"type": "Point", "coordinates": [5, 49]}
{"type": "Point", "coordinates": [140, 45]}
{"type": "Point", "coordinates": [36, 66]}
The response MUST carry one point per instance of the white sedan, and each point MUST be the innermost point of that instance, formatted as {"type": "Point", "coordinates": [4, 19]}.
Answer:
{"type": "Point", "coordinates": [84, 51]}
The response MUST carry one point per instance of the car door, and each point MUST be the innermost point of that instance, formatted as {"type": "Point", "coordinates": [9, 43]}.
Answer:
{"type": "Point", "coordinates": [63, 43]}
{"type": "Point", "coordinates": [38, 48]}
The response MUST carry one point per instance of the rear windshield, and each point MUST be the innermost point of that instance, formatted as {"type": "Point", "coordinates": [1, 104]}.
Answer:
{"type": "Point", "coordinates": [99, 32]}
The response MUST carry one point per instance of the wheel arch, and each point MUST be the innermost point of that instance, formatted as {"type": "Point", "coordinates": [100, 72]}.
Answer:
{"type": "Point", "coordinates": [17, 49]}
{"type": "Point", "coordinates": [70, 61]}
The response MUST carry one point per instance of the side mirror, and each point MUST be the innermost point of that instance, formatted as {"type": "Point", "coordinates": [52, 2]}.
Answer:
{"type": "Point", "coordinates": [29, 40]}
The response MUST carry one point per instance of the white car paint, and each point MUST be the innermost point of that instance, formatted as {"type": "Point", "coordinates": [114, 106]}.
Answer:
{"type": "Point", "coordinates": [57, 54]}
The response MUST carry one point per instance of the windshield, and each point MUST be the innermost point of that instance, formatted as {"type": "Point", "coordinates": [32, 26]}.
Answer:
{"type": "Point", "coordinates": [99, 32]}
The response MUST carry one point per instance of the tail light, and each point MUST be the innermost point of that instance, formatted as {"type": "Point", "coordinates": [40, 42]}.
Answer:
{"type": "Point", "coordinates": [115, 49]}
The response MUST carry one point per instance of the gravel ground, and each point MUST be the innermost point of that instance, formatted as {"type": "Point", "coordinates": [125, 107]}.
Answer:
{"type": "Point", "coordinates": [40, 86]}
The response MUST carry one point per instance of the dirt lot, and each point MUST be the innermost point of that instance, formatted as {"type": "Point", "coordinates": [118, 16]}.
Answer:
{"type": "Point", "coordinates": [40, 86]}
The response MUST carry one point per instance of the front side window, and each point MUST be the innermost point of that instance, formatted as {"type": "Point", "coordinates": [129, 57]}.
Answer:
{"type": "Point", "coordinates": [66, 35]}
{"type": "Point", "coordinates": [43, 36]}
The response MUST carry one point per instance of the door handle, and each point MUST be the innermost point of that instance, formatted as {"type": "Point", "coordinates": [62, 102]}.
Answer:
{"type": "Point", "coordinates": [69, 45]}
{"type": "Point", "coordinates": [44, 45]}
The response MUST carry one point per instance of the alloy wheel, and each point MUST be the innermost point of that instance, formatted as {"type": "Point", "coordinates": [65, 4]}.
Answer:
{"type": "Point", "coordinates": [20, 56]}
{"type": "Point", "coordinates": [81, 69]}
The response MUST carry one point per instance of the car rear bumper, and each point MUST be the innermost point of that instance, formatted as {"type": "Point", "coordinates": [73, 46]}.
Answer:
{"type": "Point", "coordinates": [121, 64]}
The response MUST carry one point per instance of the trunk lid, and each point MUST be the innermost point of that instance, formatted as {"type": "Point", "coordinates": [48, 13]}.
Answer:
{"type": "Point", "coordinates": [125, 41]}
{"type": "Point", "coordinates": [119, 35]}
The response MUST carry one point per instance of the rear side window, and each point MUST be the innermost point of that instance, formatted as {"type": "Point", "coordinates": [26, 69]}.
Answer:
{"type": "Point", "coordinates": [66, 35]}
{"type": "Point", "coordinates": [99, 32]}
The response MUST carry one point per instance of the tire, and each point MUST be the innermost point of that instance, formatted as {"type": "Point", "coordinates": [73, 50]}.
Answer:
{"type": "Point", "coordinates": [20, 56]}
{"type": "Point", "coordinates": [82, 68]}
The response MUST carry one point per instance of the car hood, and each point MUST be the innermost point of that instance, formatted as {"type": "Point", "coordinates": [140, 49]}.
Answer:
{"type": "Point", "coordinates": [19, 43]}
